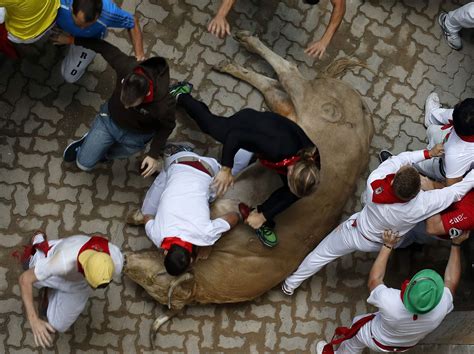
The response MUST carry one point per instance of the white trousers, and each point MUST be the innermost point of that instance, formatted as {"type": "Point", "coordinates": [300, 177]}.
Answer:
{"type": "Point", "coordinates": [343, 240]}
{"type": "Point", "coordinates": [66, 299]}
{"type": "Point", "coordinates": [153, 196]}
{"type": "Point", "coordinates": [363, 339]}
{"type": "Point", "coordinates": [462, 17]}
{"type": "Point", "coordinates": [75, 63]}
{"type": "Point", "coordinates": [432, 167]}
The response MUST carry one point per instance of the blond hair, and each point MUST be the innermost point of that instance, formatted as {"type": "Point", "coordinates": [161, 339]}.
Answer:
{"type": "Point", "coordinates": [304, 179]}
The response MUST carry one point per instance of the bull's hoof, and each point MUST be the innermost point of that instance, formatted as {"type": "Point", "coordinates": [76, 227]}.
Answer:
{"type": "Point", "coordinates": [242, 36]}
{"type": "Point", "coordinates": [229, 67]}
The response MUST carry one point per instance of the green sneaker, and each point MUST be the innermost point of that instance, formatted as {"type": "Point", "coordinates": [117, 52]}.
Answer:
{"type": "Point", "coordinates": [180, 87]}
{"type": "Point", "coordinates": [267, 236]}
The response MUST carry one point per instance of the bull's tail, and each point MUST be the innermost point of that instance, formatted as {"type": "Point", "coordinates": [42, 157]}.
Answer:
{"type": "Point", "coordinates": [340, 66]}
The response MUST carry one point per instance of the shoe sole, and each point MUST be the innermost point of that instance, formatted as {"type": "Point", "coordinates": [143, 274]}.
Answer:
{"type": "Point", "coordinates": [445, 31]}
{"type": "Point", "coordinates": [67, 154]}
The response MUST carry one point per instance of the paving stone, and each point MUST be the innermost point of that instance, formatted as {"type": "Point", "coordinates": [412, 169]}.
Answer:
{"type": "Point", "coordinates": [21, 200]}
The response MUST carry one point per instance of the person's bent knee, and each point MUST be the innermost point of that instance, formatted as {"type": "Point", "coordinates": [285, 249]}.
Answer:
{"type": "Point", "coordinates": [83, 167]}
{"type": "Point", "coordinates": [70, 75]}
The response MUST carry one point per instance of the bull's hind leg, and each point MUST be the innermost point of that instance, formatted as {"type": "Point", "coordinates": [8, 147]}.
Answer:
{"type": "Point", "coordinates": [289, 75]}
{"type": "Point", "coordinates": [277, 100]}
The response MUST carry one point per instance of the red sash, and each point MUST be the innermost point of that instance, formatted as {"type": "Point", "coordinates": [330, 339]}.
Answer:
{"type": "Point", "coordinates": [30, 250]}
{"type": "Point", "coordinates": [170, 241]}
{"type": "Point", "coordinates": [96, 243]}
{"type": "Point", "coordinates": [280, 167]}
{"type": "Point", "coordinates": [466, 138]}
{"type": "Point", "coordinates": [6, 46]}
{"type": "Point", "coordinates": [345, 333]}
{"type": "Point", "coordinates": [382, 191]}
{"type": "Point", "coordinates": [149, 96]}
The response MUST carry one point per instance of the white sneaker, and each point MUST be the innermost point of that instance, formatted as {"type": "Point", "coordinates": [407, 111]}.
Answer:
{"type": "Point", "coordinates": [431, 103]}
{"type": "Point", "coordinates": [453, 39]}
{"type": "Point", "coordinates": [286, 289]}
{"type": "Point", "coordinates": [320, 346]}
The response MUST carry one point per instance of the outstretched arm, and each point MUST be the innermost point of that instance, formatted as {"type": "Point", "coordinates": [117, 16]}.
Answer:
{"type": "Point", "coordinates": [219, 26]}
{"type": "Point", "coordinates": [318, 48]}
{"type": "Point", "coordinates": [377, 273]}
{"type": "Point", "coordinates": [452, 274]}
{"type": "Point", "coordinates": [137, 40]}
{"type": "Point", "coordinates": [41, 329]}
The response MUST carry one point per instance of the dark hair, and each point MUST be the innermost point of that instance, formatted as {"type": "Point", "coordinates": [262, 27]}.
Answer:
{"type": "Point", "coordinates": [177, 260]}
{"type": "Point", "coordinates": [406, 183]}
{"type": "Point", "coordinates": [134, 87]}
{"type": "Point", "coordinates": [90, 8]}
{"type": "Point", "coordinates": [463, 117]}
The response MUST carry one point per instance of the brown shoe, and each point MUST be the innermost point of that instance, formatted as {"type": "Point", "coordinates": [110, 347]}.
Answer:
{"type": "Point", "coordinates": [135, 217]}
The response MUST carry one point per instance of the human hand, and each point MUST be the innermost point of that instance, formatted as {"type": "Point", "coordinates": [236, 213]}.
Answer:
{"type": "Point", "coordinates": [437, 150]}
{"type": "Point", "coordinates": [219, 26]}
{"type": "Point", "coordinates": [390, 238]}
{"type": "Point", "coordinates": [223, 180]}
{"type": "Point", "coordinates": [42, 332]}
{"type": "Point", "coordinates": [61, 38]}
{"type": "Point", "coordinates": [149, 166]}
{"type": "Point", "coordinates": [460, 239]}
{"type": "Point", "coordinates": [316, 49]}
{"type": "Point", "coordinates": [426, 183]}
{"type": "Point", "coordinates": [140, 56]}
{"type": "Point", "coordinates": [255, 219]}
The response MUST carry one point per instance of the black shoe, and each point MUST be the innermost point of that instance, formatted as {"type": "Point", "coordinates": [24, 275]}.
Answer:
{"type": "Point", "coordinates": [384, 155]}
{"type": "Point", "coordinates": [70, 153]}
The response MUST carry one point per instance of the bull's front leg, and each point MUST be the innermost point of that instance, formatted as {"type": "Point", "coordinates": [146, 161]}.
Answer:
{"type": "Point", "coordinates": [289, 76]}
{"type": "Point", "coordinates": [277, 100]}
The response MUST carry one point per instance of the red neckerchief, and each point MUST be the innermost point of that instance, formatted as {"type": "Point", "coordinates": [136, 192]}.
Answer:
{"type": "Point", "coordinates": [30, 250]}
{"type": "Point", "coordinates": [170, 241]}
{"type": "Point", "coordinates": [280, 167]}
{"type": "Point", "coordinates": [402, 293]}
{"type": "Point", "coordinates": [466, 138]}
{"type": "Point", "coordinates": [149, 96]}
{"type": "Point", "coordinates": [96, 243]}
{"type": "Point", "coordinates": [383, 192]}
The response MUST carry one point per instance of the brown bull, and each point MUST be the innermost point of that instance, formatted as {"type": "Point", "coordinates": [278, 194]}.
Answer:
{"type": "Point", "coordinates": [334, 116]}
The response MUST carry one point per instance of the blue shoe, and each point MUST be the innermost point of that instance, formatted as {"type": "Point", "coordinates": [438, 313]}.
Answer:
{"type": "Point", "coordinates": [70, 153]}
{"type": "Point", "coordinates": [179, 88]}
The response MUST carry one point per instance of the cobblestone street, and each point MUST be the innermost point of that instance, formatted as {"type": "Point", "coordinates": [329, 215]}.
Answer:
{"type": "Point", "coordinates": [407, 58]}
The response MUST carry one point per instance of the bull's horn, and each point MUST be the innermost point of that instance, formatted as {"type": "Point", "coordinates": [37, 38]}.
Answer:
{"type": "Point", "coordinates": [181, 279]}
{"type": "Point", "coordinates": [159, 322]}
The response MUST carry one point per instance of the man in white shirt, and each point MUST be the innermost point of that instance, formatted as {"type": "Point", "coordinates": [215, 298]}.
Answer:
{"type": "Point", "coordinates": [454, 128]}
{"type": "Point", "coordinates": [176, 209]}
{"type": "Point", "coordinates": [405, 316]}
{"type": "Point", "coordinates": [393, 202]}
{"type": "Point", "coordinates": [452, 22]}
{"type": "Point", "coordinates": [70, 269]}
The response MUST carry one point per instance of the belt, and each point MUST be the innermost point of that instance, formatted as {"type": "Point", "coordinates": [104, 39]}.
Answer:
{"type": "Point", "coordinates": [195, 162]}
{"type": "Point", "coordinates": [354, 224]}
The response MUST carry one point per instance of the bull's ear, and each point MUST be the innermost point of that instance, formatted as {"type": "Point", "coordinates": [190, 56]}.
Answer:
{"type": "Point", "coordinates": [180, 290]}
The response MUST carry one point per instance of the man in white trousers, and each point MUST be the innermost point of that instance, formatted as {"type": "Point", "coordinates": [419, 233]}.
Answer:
{"type": "Point", "coordinates": [452, 22]}
{"type": "Point", "coordinates": [176, 211]}
{"type": "Point", "coordinates": [393, 202]}
{"type": "Point", "coordinates": [455, 129]}
{"type": "Point", "coordinates": [70, 269]}
{"type": "Point", "coordinates": [405, 316]}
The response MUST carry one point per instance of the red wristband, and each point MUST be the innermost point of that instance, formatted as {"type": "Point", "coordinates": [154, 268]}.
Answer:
{"type": "Point", "coordinates": [427, 154]}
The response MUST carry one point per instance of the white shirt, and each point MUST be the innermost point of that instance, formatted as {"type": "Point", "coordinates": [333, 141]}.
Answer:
{"type": "Point", "coordinates": [394, 326]}
{"type": "Point", "coordinates": [458, 154]}
{"type": "Point", "coordinates": [62, 260]}
{"type": "Point", "coordinates": [183, 208]}
{"type": "Point", "coordinates": [374, 218]}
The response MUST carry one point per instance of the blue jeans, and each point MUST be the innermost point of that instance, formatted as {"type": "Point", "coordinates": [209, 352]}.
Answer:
{"type": "Point", "coordinates": [106, 140]}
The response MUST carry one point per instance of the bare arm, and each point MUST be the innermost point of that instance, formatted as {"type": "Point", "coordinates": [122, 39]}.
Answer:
{"type": "Point", "coordinates": [41, 329]}
{"type": "Point", "coordinates": [434, 225]}
{"type": "Point", "coordinates": [377, 273]}
{"type": "Point", "coordinates": [451, 181]}
{"type": "Point", "coordinates": [232, 218]}
{"type": "Point", "coordinates": [137, 40]}
{"type": "Point", "coordinates": [318, 48]}
{"type": "Point", "coordinates": [219, 25]}
{"type": "Point", "coordinates": [452, 274]}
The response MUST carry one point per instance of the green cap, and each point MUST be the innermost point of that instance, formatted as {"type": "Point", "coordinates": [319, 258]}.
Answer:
{"type": "Point", "coordinates": [423, 292]}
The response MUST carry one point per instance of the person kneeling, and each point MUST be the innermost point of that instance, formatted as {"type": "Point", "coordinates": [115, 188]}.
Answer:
{"type": "Point", "coordinates": [176, 211]}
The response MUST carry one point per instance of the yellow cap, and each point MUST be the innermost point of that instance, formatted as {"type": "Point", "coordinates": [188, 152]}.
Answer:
{"type": "Point", "coordinates": [98, 267]}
